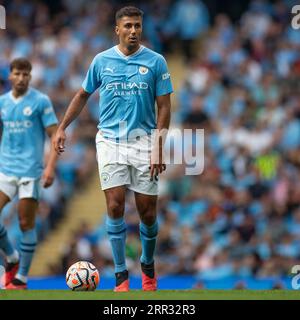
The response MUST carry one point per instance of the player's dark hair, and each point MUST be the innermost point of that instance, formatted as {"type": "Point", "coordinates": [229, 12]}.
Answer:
{"type": "Point", "coordinates": [129, 11]}
{"type": "Point", "coordinates": [21, 64]}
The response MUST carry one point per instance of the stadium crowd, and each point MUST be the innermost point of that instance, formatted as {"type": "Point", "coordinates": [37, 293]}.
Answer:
{"type": "Point", "coordinates": [241, 216]}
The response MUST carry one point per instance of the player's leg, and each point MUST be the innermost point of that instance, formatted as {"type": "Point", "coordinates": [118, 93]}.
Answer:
{"type": "Point", "coordinates": [5, 244]}
{"type": "Point", "coordinates": [146, 206]}
{"type": "Point", "coordinates": [114, 176]}
{"type": "Point", "coordinates": [8, 188]}
{"type": "Point", "coordinates": [116, 230]}
{"type": "Point", "coordinates": [11, 254]}
{"type": "Point", "coordinates": [146, 191]}
{"type": "Point", "coordinates": [29, 192]}
{"type": "Point", "coordinates": [27, 210]}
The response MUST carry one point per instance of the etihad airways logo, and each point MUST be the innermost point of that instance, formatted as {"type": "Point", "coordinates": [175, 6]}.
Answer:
{"type": "Point", "coordinates": [127, 86]}
{"type": "Point", "coordinates": [17, 126]}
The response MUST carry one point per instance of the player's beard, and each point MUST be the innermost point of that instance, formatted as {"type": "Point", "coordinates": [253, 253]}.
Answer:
{"type": "Point", "coordinates": [134, 45]}
{"type": "Point", "coordinates": [131, 47]}
{"type": "Point", "coordinates": [21, 90]}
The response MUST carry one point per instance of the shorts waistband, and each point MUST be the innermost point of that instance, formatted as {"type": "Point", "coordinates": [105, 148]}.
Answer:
{"type": "Point", "coordinates": [117, 139]}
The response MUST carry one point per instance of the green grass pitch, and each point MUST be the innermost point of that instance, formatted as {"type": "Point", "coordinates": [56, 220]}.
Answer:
{"type": "Point", "coordinates": [158, 295]}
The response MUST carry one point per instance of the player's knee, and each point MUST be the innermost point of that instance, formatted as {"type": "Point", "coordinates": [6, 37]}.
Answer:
{"type": "Point", "coordinates": [148, 217]}
{"type": "Point", "coordinates": [115, 209]}
{"type": "Point", "coordinates": [147, 212]}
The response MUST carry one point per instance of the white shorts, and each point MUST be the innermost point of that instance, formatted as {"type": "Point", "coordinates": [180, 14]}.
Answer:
{"type": "Point", "coordinates": [125, 164]}
{"type": "Point", "coordinates": [23, 187]}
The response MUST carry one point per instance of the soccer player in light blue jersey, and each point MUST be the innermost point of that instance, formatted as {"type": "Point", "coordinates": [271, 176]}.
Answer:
{"type": "Point", "coordinates": [27, 115]}
{"type": "Point", "coordinates": [130, 79]}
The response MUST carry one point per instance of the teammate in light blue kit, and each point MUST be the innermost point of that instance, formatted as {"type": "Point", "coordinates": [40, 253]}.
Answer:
{"type": "Point", "coordinates": [26, 114]}
{"type": "Point", "coordinates": [130, 79]}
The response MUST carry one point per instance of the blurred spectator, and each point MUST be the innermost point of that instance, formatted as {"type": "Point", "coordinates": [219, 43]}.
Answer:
{"type": "Point", "coordinates": [188, 19]}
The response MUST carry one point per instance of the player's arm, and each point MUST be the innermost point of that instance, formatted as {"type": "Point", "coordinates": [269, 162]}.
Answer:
{"type": "Point", "coordinates": [163, 121]}
{"type": "Point", "coordinates": [49, 172]}
{"type": "Point", "coordinates": [73, 110]}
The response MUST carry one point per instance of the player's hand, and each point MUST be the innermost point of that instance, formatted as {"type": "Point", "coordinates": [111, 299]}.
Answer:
{"type": "Point", "coordinates": [59, 141]}
{"type": "Point", "coordinates": [48, 177]}
{"type": "Point", "coordinates": [156, 169]}
{"type": "Point", "coordinates": [157, 164]}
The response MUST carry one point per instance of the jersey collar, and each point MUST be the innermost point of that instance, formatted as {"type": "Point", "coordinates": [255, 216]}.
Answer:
{"type": "Point", "coordinates": [19, 99]}
{"type": "Point", "coordinates": [120, 53]}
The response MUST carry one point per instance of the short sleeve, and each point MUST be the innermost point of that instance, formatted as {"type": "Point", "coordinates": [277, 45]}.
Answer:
{"type": "Point", "coordinates": [47, 112]}
{"type": "Point", "coordinates": [92, 79]}
{"type": "Point", "coordinates": [163, 79]}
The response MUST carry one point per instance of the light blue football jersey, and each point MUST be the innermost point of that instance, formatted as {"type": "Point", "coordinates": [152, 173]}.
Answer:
{"type": "Point", "coordinates": [128, 86]}
{"type": "Point", "coordinates": [23, 137]}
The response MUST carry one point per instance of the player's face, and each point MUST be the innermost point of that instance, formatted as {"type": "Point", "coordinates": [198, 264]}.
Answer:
{"type": "Point", "coordinates": [129, 31]}
{"type": "Point", "coordinates": [20, 80]}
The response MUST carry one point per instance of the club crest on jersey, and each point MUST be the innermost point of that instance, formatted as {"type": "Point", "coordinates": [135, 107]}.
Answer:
{"type": "Point", "coordinates": [27, 111]}
{"type": "Point", "coordinates": [143, 70]}
{"type": "Point", "coordinates": [105, 177]}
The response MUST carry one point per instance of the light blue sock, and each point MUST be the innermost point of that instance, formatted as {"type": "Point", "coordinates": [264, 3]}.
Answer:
{"type": "Point", "coordinates": [27, 249]}
{"type": "Point", "coordinates": [116, 230]}
{"type": "Point", "coordinates": [5, 244]}
{"type": "Point", "coordinates": [148, 236]}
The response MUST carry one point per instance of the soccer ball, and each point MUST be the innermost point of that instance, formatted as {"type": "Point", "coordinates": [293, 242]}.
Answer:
{"type": "Point", "coordinates": [82, 276]}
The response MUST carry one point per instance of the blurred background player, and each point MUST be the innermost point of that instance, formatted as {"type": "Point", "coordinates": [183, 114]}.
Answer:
{"type": "Point", "coordinates": [26, 114]}
{"type": "Point", "coordinates": [131, 78]}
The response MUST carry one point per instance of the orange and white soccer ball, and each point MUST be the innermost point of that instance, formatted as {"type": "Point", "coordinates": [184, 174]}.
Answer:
{"type": "Point", "coordinates": [82, 276]}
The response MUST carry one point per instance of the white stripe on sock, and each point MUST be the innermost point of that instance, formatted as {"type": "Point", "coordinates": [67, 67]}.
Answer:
{"type": "Point", "coordinates": [13, 258]}
{"type": "Point", "coordinates": [22, 278]}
